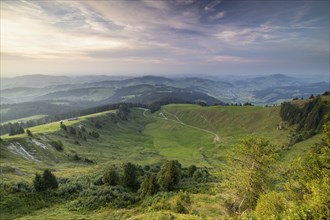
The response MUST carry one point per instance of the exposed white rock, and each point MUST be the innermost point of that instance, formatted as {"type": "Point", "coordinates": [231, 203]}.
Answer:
{"type": "Point", "coordinates": [18, 149]}
{"type": "Point", "coordinates": [39, 144]}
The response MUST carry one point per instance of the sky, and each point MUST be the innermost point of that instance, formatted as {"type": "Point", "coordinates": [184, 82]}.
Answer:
{"type": "Point", "coordinates": [218, 37]}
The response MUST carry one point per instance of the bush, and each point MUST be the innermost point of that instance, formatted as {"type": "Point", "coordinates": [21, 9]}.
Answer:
{"type": "Point", "coordinates": [149, 186]}
{"type": "Point", "coordinates": [63, 126]}
{"type": "Point", "coordinates": [169, 175]}
{"type": "Point", "coordinates": [45, 182]}
{"type": "Point", "coordinates": [98, 196]}
{"type": "Point", "coordinates": [94, 134]}
{"type": "Point", "coordinates": [73, 131]}
{"type": "Point", "coordinates": [58, 145]}
{"type": "Point", "coordinates": [270, 206]}
{"type": "Point", "coordinates": [130, 178]}
{"type": "Point", "coordinates": [191, 170]}
{"type": "Point", "coordinates": [29, 132]}
{"type": "Point", "coordinates": [111, 176]}
{"type": "Point", "coordinates": [182, 202]}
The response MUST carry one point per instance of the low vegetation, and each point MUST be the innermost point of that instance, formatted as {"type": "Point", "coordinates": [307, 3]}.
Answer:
{"type": "Point", "coordinates": [172, 163]}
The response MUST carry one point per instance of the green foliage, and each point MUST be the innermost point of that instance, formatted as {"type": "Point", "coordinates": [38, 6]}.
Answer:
{"type": "Point", "coordinates": [96, 197]}
{"type": "Point", "coordinates": [309, 118]}
{"type": "Point", "coordinates": [38, 183]}
{"type": "Point", "coordinates": [169, 175]}
{"type": "Point", "coordinates": [29, 133]}
{"type": "Point", "coordinates": [149, 186]}
{"type": "Point", "coordinates": [45, 182]}
{"type": "Point", "coordinates": [191, 170]}
{"type": "Point", "coordinates": [271, 206]}
{"type": "Point", "coordinates": [182, 202]}
{"type": "Point", "coordinates": [130, 176]}
{"type": "Point", "coordinates": [58, 145]}
{"type": "Point", "coordinates": [15, 129]}
{"type": "Point", "coordinates": [94, 134]}
{"type": "Point", "coordinates": [72, 130]}
{"type": "Point", "coordinates": [123, 111]}
{"type": "Point", "coordinates": [63, 126]}
{"type": "Point", "coordinates": [49, 180]}
{"type": "Point", "coordinates": [201, 175]}
{"type": "Point", "coordinates": [308, 181]}
{"type": "Point", "coordinates": [248, 173]}
{"type": "Point", "coordinates": [111, 176]}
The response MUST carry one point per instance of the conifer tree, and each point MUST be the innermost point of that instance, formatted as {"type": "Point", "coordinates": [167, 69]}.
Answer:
{"type": "Point", "coordinates": [169, 175]}
{"type": "Point", "coordinates": [249, 166]}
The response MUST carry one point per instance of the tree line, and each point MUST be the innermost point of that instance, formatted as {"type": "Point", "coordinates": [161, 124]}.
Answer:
{"type": "Point", "coordinates": [18, 127]}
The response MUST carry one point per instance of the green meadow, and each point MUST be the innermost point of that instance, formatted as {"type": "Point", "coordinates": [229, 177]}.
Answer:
{"type": "Point", "coordinates": [191, 134]}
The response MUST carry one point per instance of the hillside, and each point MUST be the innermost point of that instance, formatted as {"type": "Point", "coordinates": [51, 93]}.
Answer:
{"type": "Point", "coordinates": [88, 91]}
{"type": "Point", "coordinates": [191, 134]}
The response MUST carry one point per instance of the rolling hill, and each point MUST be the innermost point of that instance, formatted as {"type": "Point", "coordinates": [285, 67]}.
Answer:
{"type": "Point", "coordinates": [188, 133]}
{"type": "Point", "coordinates": [97, 90]}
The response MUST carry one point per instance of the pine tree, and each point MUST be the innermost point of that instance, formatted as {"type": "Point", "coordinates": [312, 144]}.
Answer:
{"type": "Point", "coordinates": [169, 175]}
{"type": "Point", "coordinates": [111, 176]}
{"type": "Point", "coordinates": [38, 183]}
{"type": "Point", "coordinates": [149, 186]}
{"type": "Point", "coordinates": [49, 180]}
{"type": "Point", "coordinates": [248, 171]}
{"type": "Point", "coordinates": [129, 178]}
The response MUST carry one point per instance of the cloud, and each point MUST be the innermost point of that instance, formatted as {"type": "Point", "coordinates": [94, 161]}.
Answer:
{"type": "Point", "coordinates": [211, 6]}
{"type": "Point", "coordinates": [173, 32]}
{"type": "Point", "coordinates": [219, 15]}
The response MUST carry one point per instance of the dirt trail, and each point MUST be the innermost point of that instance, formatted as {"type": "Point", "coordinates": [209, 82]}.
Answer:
{"type": "Point", "coordinates": [177, 120]}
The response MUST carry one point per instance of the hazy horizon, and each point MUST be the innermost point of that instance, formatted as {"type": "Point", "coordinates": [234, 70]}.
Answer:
{"type": "Point", "coordinates": [165, 38]}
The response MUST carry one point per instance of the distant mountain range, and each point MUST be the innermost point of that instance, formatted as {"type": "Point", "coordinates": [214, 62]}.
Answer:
{"type": "Point", "coordinates": [89, 91]}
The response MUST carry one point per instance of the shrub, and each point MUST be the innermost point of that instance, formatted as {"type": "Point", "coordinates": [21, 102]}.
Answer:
{"type": "Point", "coordinates": [94, 134]}
{"type": "Point", "coordinates": [73, 131]}
{"type": "Point", "coordinates": [270, 206]}
{"type": "Point", "coordinates": [49, 180]}
{"type": "Point", "coordinates": [29, 132]}
{"type": "Point", "coordinates": [149, 186]}
{"type": "Point", "coordinates": [129, 178]}
{"type": "Point", "coordinates": [169, 175]}
{"type": "Point", "coordinates": [111, 176]}
{"type": "Point", "coordinates": [63, 126]}
{"type": "Point", "coordinates": [191, 170]}
{"type": "Point", "coordinates": [45, 182]}
{"type": "Point", "coordinates": [58, 145]}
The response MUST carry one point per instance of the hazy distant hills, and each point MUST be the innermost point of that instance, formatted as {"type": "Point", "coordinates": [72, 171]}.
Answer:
{"type": "Point", "coordinates": [89, 91]}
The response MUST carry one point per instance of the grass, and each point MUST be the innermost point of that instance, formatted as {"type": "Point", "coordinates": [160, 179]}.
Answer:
{"type": "Point", "coordinates": [146, 139]}
{"type": "Point", "coordinates": [55, 126]}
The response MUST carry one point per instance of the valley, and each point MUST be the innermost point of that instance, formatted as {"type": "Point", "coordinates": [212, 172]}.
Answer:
{"type": "Point", "coordinates": [197, 135]}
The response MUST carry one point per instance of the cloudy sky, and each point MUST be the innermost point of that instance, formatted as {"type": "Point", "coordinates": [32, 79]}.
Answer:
{"type": "Point", "coordinates": [220, 37]}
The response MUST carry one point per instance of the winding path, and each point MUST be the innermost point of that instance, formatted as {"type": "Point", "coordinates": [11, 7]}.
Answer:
{"type": "Point", "coordinates": [177, 120]}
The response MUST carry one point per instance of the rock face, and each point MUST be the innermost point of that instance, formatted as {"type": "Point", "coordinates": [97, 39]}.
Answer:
{"type": "Point", "coordinates": [18, 149]}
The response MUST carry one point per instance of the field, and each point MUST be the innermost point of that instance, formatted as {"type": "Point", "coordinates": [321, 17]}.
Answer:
{"type": "Point", "coordinates": [188, 133]}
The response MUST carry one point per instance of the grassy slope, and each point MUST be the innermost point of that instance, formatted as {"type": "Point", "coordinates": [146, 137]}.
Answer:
{"type": "Point", "coordinates": [146, 139]}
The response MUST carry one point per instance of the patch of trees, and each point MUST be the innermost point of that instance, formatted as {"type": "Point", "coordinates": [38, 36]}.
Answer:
{"type": "Point", "coordinates": [247, 104]}
{"type": "Point", "coordinates": [46, 181]}
{"type": "Point", "coordinates": [309, 118]}
{"type": "Point", "coordinates": [65, 113]}
{"type": "Point", "coordinates": [15, 128]}
{"type": "Point", "coordinates": [306, 190]}
{"type": "Point", "coordinates": [58, 145]}
{"type": "Point", "coordinates": [123, 111]}
{"type": "Point", "coordinates": [152, 179]}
